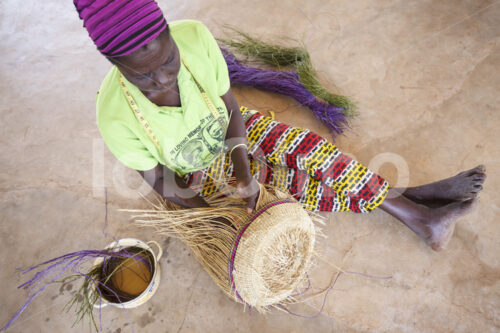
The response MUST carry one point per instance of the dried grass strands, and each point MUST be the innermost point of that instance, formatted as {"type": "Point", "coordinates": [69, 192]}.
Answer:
{"type": "Point", "coordinates": [258, 259]}
{"type": "Point", "coordinates": [285, 83]}
{"type": "Point", "coordinates": [282, 56]}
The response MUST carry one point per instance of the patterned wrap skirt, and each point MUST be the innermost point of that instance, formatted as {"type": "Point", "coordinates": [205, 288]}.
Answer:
{"type": "Point", "coordinates": [301, 162]}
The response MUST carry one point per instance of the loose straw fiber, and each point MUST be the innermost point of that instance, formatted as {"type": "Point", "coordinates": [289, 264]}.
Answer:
{"type": "Point", "coordinates": [258, 259]}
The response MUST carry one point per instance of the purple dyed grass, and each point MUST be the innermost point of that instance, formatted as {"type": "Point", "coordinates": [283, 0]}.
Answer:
{"type": "Point", "coordinates": [285, 83]}
{"type": "Point", "coordinates": [50, 272]}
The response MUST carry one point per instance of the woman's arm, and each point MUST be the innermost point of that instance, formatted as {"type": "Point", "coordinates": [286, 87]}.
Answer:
{"type": "Point", "coordinates": [171, 187]}
{"type": "Point", "coordinates": [247, 186]}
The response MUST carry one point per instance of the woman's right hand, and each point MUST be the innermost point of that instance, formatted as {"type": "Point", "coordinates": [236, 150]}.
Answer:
{"type": "Point", "coordinates": [248, 189]}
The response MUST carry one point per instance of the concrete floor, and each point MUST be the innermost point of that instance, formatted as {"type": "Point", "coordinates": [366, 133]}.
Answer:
{"type": "Point", "coordinates": [426, 78]}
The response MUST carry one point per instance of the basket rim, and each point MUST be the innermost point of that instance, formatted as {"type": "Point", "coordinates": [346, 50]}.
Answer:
{"type": "Point", "coordinates": [240, 235]}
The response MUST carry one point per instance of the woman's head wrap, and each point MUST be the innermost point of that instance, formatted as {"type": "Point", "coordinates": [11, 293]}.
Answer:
{"type": "Point", "coordinates": [119, 27]}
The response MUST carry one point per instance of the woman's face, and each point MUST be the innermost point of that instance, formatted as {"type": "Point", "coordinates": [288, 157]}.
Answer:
{"type": "Point", "coordinates": [152, 68]}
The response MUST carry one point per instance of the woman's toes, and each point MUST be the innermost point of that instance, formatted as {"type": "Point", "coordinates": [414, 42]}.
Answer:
{"type": "Point", "coordinates": [479, 177]}
{"type": "Point", "coordinates": [477, 182]}
{"type": "Point", "coordinates": [471, 194]}
{"type": "Point", "coordinates": [481, 168]}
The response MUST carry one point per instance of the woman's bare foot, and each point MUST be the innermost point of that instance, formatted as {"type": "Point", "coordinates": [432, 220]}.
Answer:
{"type": "Point", "coordinates": [464, 186]}
{"type": "Point", "coordinates": [441, 223]}
{"type": "Point", "coordinates": [434, 225]}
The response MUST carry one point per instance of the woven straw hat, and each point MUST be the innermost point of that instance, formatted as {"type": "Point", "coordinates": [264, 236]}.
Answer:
{"type": "Point", "coordinates": [258, 259]}
{"type": "Point", "coordinates": [272, 254]}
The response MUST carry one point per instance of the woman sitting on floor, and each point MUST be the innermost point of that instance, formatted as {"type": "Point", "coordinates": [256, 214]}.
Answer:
{"type": "Point", "coordinates": [167, 110]}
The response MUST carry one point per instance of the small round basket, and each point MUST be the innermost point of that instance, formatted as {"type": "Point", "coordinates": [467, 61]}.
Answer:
{"type": "Point", "coordinates": [272, 254]}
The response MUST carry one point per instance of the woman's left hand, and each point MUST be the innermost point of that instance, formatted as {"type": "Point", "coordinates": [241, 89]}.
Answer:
{"type": "Point", "coordinates": [248, 189]}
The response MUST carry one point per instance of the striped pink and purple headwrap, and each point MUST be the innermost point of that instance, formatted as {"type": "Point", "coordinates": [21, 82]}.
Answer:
{"type": "Point", "coordinates": [119, 27]}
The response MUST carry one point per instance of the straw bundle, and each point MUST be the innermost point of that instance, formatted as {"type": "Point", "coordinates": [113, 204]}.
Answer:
{"type": "Point", "coordinates": [258, 259]}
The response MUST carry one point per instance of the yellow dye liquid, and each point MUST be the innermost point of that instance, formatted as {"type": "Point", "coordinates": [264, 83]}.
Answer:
{"type": "Point", "coordinates": [132, 277]}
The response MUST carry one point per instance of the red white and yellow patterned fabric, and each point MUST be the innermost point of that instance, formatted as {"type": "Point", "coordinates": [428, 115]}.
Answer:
{"type": "Point", "coordinates": [313, 170]}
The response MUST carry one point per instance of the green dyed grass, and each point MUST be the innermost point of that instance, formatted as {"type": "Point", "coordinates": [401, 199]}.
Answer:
{"type": "Point", "coordinates": [282, 56]}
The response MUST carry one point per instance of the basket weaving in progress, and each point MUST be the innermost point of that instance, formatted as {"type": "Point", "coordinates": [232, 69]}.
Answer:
{"type": "Point", "coordinates": [258, 259]}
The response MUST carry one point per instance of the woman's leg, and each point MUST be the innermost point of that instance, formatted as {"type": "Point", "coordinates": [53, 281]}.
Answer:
{"type": "Point", "coordinates": [357, 188]}
{"type": "Point", "coordinates": [351, 184]}
{"type": "Point", "coordinates": [323, 178]}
